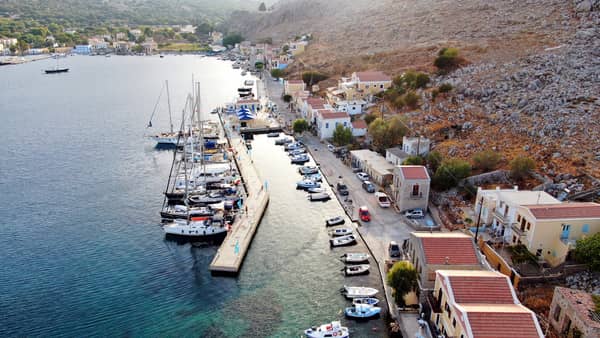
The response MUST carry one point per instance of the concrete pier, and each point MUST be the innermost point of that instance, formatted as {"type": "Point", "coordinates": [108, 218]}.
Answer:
{"type": "Point", "coordinates": [230, 256]}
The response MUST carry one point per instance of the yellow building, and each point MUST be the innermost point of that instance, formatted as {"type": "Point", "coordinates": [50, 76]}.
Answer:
{"type": "Point", "coordinates": [551, 231]}
{"type": "Point", "coordinates": [363, 85]}
{"type": "Point", "coordinates": [469, 304]}
{"type": "Point", "coordinates": [294, 87]}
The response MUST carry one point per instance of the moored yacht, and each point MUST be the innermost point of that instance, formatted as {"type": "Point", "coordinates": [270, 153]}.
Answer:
{"type": "Point", "coordinates": [333, 329]}
{"type": "Point", "coordinates": [196, 228]}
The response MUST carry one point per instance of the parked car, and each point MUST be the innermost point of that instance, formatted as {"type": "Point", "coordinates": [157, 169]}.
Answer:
{"type": "Point", "coordinates": [363, 213]}
{"type": "Point", "coordinates": [342, 188]}
{"type": "Point", "coordinates": [362, 176]}
{"type": "Point", "coordinates": [383, 200]}
{"type": "Point", "coordinates": [368, 186]}
{"type": "Point", "coordinates": [330, 148]}
{"type": "Point", "coordinates": [394, 249]}
{"type": "Point", "coordinates": [414, 213]}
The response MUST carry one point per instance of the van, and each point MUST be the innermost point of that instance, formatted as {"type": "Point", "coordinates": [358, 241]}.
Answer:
{"type": "Point", "coordinates": [368, 186]}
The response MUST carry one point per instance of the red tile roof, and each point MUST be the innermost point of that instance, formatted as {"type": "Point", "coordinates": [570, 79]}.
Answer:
{"type": "Point", "coordinates": [328, 114]}
{"type": "Point", "coordinates": [481, 289]}
{"type": "Point", "coordinates": [315, 100]}
{"type": "Point", "coordinates": [502, 324]}
{"type": "Point", "coordinates": [372, 76]}
{"type": "Point", "coordinates": [458, 250]}
{"type": "Point", "coordinates": [417, 172]}
{"type": "Point", "coordinates": [359, 124]}
{"type": "Point", "coordinates": [565, 210]}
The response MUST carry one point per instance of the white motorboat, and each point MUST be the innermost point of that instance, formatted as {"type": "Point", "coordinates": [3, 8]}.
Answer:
{"type": "Point", "coordinates": [340, 232]}
{"type": "Point", "coordinates": [355, 257]}
{"type": "Point", "coordinates": [307, 184]}
{"type": "Point", "coordinates": [273, 134]}
{"type": "Point", "coordinates": [370, 301]}
{"type": "Point", "coordinates": [308, 170]}
{"type": "Point", "coordinates": [333, 329]}
{"type": "Point", "coordinates": [342, 241]}
{"type": "Point", "coordinates": [300, 159]}
{"type": "Point", "coordinates": [315, 177]}
{"type": "Point", "coordinates": [197, 228]}
{"type": "Point", "coordinates": [293, 146]}
{"type": "Point", "coordinates": [358, 292]}
{"type": "Point", "coordinates": [335, 221]}
{"type": "Point", "coordinates": [171, 139]}
{"type": "Point", "coordinates": [362, 311]}
{"type": "Point", "coordinates": [298, 151]}
{"type": "Point", "coordinates": [320, 196]}
{"type": "Point", "coordinates": [316, 190]}
{"type": "Point", "coordinates": [355, 270]}
{"type": "Point", "coordinates": [283, 141]}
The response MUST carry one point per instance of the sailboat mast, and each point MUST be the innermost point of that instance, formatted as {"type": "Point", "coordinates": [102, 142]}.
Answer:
{"type": "Point", "coordinates": [169, 105]}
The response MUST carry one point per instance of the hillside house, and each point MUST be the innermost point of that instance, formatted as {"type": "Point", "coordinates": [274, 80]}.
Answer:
{"type": "Point", "coordinates": [411, 187]}
{"type": "Point", "coordinates": [353, 107]}
{"type": "Point", "coordinates": [359, 128]}
{"type": "Point", "coordinates": [396, 155]}
{"type": "Point", "coordinates": [574, 311]}
{"type": "Point", "coordinates": [328, 120]}
{"type": "Point", "coordinates": [416, 145]}
{"type": "Point", "coordinates": [293, 87]}
{"type": "Point", "coordinates": [375, 165]}
{"type": "Point", "coordinates": [364, 85]}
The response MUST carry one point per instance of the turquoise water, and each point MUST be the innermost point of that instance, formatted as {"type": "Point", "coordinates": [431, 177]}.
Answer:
{"type": "Point", "coordinates": [82, 250]}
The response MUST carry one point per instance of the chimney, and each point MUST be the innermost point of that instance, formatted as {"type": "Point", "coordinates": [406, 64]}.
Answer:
{"type": "Point", "coordinates": [447, 261]}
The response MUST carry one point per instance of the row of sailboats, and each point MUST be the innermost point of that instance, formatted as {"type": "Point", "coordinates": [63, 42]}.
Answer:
{"type": "Point", "coordinates": [202, 196]}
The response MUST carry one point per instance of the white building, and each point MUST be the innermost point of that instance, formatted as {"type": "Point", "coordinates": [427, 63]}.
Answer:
{"type": "Point", "coordinates": [416, 145]}
{"type": "Point", "coordinates": [328, 120]}
{"type": "Point", "coordinates": [136, 33]}
{"type": "Point", "coordinates": [353, 107]}
{"type": "Point", "coordinates": [396, 155]}
{"type": "Point", "coordinates": [359, 128]}
{"type": "Point", "coordinates": [411, 187]}
{"type": "Point", "coordinates": [500, 207]}
{"type": "Point", "coordinates": [374, 165]}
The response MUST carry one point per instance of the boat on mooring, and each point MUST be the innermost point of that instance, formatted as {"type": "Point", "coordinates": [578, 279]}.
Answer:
{"type": "Point", "coordinates": [355, 270]}
{"type": "Point", "coordinates": [355, 257]}
{"type": "Point", "coordinates": [57, 68]}
{"type": "Point", "coordinates": [333, 329]}
{"type": "Point", "coordinates": [362, 311]}
{"type": "Point", "coordinates": [299, 159]}
{"type": "Point", "coordinates": [283, 141]}
{"type": "Point", "coordinates": [342, 241]}
{"type": "Point", "coordinates": [273, 134]}
{"type": "Point", "coordinates": [307, 184]}
{"type": "Point", "coordinates": [308, 170]}
{"type": "Point", "coordinates": [340, 232]}
{"type": "Point", "coordinates": [335, 221]}
{"type": "Point", "coordinates": [370, 301]}
{"type": "Point", "coordinates": [358, 292]}
{"type": "Point", "coordinates": [319, 197]}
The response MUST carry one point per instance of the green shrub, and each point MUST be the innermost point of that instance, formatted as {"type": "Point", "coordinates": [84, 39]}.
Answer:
{"type": "Point", "coordinates": [411, 99]}
{"type": "Point", "coordinates": [445, 87]}
{"type": "Point", "coordinates": [447, 59]}
{"type": "Point", "coordinates": [520, 167]}
{"type": "Point", "coordinates": [421, 80]}
{"type": "Point", "coordinates": [450, 172]}
{"type": "Point", "coordinates": [486, 160]}
{"type": "Point", "coordinates": [312, 77]}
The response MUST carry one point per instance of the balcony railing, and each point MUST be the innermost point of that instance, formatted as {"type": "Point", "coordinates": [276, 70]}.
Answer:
{"type": "Point", "coordinates": [517, 229]}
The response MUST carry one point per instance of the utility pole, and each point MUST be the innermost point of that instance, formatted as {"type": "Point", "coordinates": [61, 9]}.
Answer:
{"type": "Point", "coordinates": [478, 219]}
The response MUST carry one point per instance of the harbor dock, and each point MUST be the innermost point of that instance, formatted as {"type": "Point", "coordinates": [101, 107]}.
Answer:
{"type": "Point", "coordinates": [230, 255]}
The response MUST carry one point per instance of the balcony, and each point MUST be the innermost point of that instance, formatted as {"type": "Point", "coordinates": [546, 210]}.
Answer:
{"type": "Point", "coordinates": [517, 230]}
{"type": "Point", "coordinates": [501, 216]}
{"type": "Point", "coordinates": [433, 302]}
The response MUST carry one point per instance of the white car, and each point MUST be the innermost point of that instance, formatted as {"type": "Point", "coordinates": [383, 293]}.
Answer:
{"type": "Point", "coordinates": [414, 213]}
{"type": "Point", "coordinates": [362, 176]}
{"type": "Point", "coordinates": [330, 147]}
{"type": "Point", "coordinates": [383, 200]}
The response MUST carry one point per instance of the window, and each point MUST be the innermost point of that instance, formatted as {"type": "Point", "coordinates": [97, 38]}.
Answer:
{"type": "Point", "coordinates": [514, 239]}
{"type": "Point", "coordinates": [381, 86]}
{"type": "Point", "coordinates": [528, 225]}
{"type": "Point", "coordinates": [344, 124]}
{"type": "Point", "coordinates": [415, 190]}
{"type": "Point", "coordinates": [585, 229]}
{"type": "Point", "coordinates": [518, 218]}
{"type": "Point", "coordinates": [538, 253]}
{"type": "Point", "coordinates": [453, 322]}
{"type": "Point", "coordinates": [327, 125]}
{"type": "Point", "coordinates": [556, 315]}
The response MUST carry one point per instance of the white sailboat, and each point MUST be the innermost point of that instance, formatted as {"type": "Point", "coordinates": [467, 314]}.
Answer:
{"type": "Point", "coordinates": [166, 138]}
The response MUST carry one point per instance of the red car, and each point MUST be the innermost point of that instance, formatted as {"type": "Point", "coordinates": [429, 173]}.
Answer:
{"type": "Point", "coordinates": [363, 213]}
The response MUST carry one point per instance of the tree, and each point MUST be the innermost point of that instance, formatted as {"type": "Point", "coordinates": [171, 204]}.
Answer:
{"type": "Point", "coordinates": [277, 73]}
{"type": "Point", "coordinates": [587, 251]}
{"type": "Point", "coordinates": [421, 80]}
{"type": "Point", "coordinates": [414, 160]}
{"type": "Point", "coordinates": [387, 133]}
{"type": "Point", "coordinates": [232, 39]}
{"type": "Point", "coordinates": [434, 159]}
{"type": "Point", "coordinates": [300, 126]}
{"type": "Point", "coordinates": [521, 166]}
{"type": "Point", "coordinates": [287, 98]}
{"type": "Point", "coordinates": [22, 46]}
{"type": "Point", "coordinates": [450, 172]}
{"type": "Point", "coordinates": [396, 129]}
{"type": "Point", "coordinates": [447, 59]}
{"type": "Point", "coordinates": [262, 7]}
{"type": "Point", "coordinates": [342, 135]}
{"type": "Point", "coordinates": [486, 160]}
{"type": "Point", "coordinates": [259, 65]}
{"type": "Point", "coordinates": [403, 278]}
{"type": "Point", "coordinates": [411, 99]}
{"type": "Point", "coordinates": [369, 118]}
{"type": "Point", "coordinates": [312, 77]}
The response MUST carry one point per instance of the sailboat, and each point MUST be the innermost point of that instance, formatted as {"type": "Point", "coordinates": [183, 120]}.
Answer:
{"type": "Point", "coordinates": [194, 227]}
{"type": "Point", "coordinates": [56, 69]}
{"type": "Point", "coordinates": [167, 138]}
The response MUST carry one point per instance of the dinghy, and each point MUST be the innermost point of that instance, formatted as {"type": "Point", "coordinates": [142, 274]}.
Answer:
{"type": "Point", "coordinates": [355, 258]}
{"type": "Point", "coordinates": [334, 221]}
{"type": "Point", "coordinates": [315, 177]}
{"type": "Point", "coordinates": [340, 232]}
{"type": "Point", "coordinates": [355, 270]}
{"type": "Point", "coordinates": [315, 190]}
{"type": "Point", "coordinates": [307, 184]}
{"type": "Point", "coordinates": [333, 329]}
{"type": "Point", "coordinates": [308, 170]}
{"type": "Point", "coordinates": [300, 159]}
{"type": "Point", "coordinates": [320, 196]}
{"type": "Point", "coordinates": [370, 301]}
{"type": "Point", "coordinates": [297, 152]}
{"type": "Point", "coordinates": [362, 311]}
{"type": "Point", "coordinates": [358, 292]}
{"type": "Point", "coordinates": [342, 241]}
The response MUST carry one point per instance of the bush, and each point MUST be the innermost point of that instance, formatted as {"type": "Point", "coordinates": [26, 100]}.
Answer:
{"type": "Point", "coordinates": [450, 172]}
{"type": "Point", "coordinates": [287, 98]}
{"type": "Point", "coordinates": [414, 160]}
{"type": "Point", "coordinates": [587, 251]}
{"type": "Point", "coordinates": [277, 73]}
{"type": "Point", "coordinates": [447, 59]}
{"type": "Point", "coordinates": [486, 160]}
{"type": "Point", "coordinates": [370, 118]}
{"type": "Point", "coordinates": [300, 126]}
{"type": "Point", "coordinates": [520, 167]}
{"type": "Point", "coordinates": [434, 159]}
{"type": "Point", "coordinates": [403, 278]}
{"type": "Point", "coordinates": [398, 102]}
{"type": "Point", "coordinates": [232, 39]}
{"type": "Point", "coordinates": [445, 87]}
{"type": "Point", "coordinates": [342, 135]}
{"type": "Point", "coordinates": [422, 80]}
{"type": "Point", "coordinates": [411, 99]}
{"type": "Point", "coordinates": [312, 78]}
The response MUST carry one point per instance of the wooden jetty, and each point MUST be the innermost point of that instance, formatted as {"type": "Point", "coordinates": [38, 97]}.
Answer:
{"type": "Point", "coordinates": [230, 256]}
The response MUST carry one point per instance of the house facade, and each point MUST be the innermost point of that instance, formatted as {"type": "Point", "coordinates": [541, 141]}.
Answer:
{"type": "Point", "coordinates": [83, 49]}
{"type": "Point", "coordinates": [363, 85]}
{"type": "Point", "coordinates": [294, 87]}
{"type": "Point", "coordinates": [430, 252]}
{"type": "Point", "coordinates": [472, 304]}
{"type": "Point", "coordinates": [375, 165]}
{"type": "Point", "coordinates": [551, 231]}
{"type": "Point", "coordinates": [328, 120]}
{"type": "Point", "coordinates": [416, 145]}
{"type": "Point", "coordinates": [353, 107]}
{"type": "Point", "coordinates": [411, 187]}
{"type": "Point", "coordinates": [499, 207]}
{"type": "Point", "coordinates": [396, 155]}
{"type": "Point", "coordinates": [574, 311]}
{"type": "Point", "coordinates": [359, 128]}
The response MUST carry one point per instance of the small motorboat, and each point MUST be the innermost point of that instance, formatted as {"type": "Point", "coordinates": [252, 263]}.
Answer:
{"type": "Point", "coordinates": [362, 311]}
{"type": "Point", "coordinates": [307, 184]}
{"type": "Point", "coordinates": [297, 152]}
{"type": "Point", "coordinates": [316, 190]}
{"type": "Point", "coordinates": [333, 329]}
{"type": "Point", "coordinates": [274, 134]}
{"type": "Point", "coordinates": [355, 258]}
{"type": "Point", "coordinates": [315, 177]}
{"type": "Point", "coordinates": [370, 301]}
{"type": "Point", "coordinates": [308, 170]}
{"type": "Point", "coordinates": [343, 241]}
{"type": "Point", "coordinates": [283, 141]}
{"type": "Point", "coordinates": [293, 146]}
{"type": "Point", "coordinates": [335, 221]}
{"type": "Point", "coordinates": [355, 270]}
{"type": "Point", "coordinates": [340, 232]}
{"type": "Point", "coordinates": [358, 292]}
{"type": "Point", "coordinates": [300, 159]}
{"type": "Point", "coordinates": [319, 196]}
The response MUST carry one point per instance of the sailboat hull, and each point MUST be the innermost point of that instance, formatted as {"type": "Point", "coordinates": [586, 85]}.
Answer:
{"type": "Point", "coordinates": [54, 71]}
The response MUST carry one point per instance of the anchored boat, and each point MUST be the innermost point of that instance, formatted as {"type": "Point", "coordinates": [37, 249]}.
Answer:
{"type": "Point", "coordinates": [343, 241]}
{"type": "Point", "coordinates": [335, 221]}
{"type": "Point", "coordinates": [355, 270]}
{"type": "Point", "coordinates": [355, 257]}
{"type": "Point", "coordinates": [307, 184]}
{"type": "Point", "coordinates": [320, 196]}
{"type": "Point", "coordinates": [362, 311]}
{"type": "Point", "coordinates": [333, 329]}
{"type": "Point", "coordinates": [358, 292]}
{"type": "Point", "coordinates": [340, 232]}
